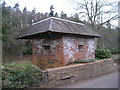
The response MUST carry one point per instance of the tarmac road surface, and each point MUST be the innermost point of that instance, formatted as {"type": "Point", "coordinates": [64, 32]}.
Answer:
{"type": "Point", "coordinates": [105, 81]}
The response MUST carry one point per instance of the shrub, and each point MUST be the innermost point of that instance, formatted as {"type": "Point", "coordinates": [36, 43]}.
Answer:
{"type": "Point", "coordinates": [28, 50]}
{"type": "Point", "coordinates": [103, 53]}
{"type": "Point", "coordinates": [19, 75]}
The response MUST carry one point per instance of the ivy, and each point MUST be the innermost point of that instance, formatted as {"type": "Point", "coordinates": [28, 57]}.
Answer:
{"type": "Point", "coordinates": [19, 75]}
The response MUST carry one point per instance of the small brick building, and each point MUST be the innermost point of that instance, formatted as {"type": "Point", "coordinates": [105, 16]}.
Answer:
{"type": "Point", "coordinates": [58, 42]}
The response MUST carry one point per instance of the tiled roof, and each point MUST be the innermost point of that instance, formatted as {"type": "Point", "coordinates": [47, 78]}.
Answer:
{"type": "Point", "coordinates": [57, 25]}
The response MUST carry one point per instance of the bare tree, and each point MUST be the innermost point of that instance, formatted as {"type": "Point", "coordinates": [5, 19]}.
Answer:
{"type": "Point", "coordinates": [96, 12]}
{"type": "Point", "coordinates": [51, 10]}
{"type": "Point", "coordinates": [119, 14]}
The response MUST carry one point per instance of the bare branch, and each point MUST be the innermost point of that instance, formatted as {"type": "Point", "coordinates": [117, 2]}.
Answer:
{"type": "Point", "coordinates": [114, 17]}
{"type": "Point", "coordinates": [95, 12]}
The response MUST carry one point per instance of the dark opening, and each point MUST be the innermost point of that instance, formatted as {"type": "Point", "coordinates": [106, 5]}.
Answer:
{"type": "Point", "coordinates": [46, 46]}
{"type": "Point", "coordinates": [80, 47]}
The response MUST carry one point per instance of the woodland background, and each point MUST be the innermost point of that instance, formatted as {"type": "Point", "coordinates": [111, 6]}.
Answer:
{"type": "Point", "coordinates": [15, 21]}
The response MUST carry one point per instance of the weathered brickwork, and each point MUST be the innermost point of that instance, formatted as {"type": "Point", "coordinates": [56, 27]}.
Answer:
{"type": "Point", "coordinates": [72, 52]}
{"type": "Point", "coordinates": [79, 72]}
{"type": "Point", "coordinates": [48, 53]}
{"type": "Point", "coordinates": [60, 51]}
{"type": "Point", "coordinates": [59, 76]}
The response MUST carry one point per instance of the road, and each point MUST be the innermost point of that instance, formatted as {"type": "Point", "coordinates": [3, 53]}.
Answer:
{"type": "Point", "coordinates": [106, 81]}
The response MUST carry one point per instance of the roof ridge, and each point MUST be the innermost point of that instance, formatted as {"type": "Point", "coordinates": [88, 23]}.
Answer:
{"type": "Point", "coordinates": [67, 20]}
{"type": "Point", "coordinates": [41, 21]}
{"type": "Point", "coordinates": [50, 24]}
{"type": "Point", "coordinates": [57, 19]}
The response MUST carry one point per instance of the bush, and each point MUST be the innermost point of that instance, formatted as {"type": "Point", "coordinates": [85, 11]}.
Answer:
{"type": "Point", "coordinates": [28, 50]}
{"type": "Point", "coordinates": [103, 53]}
{"type": "Point", "coordinates": [19, 75]}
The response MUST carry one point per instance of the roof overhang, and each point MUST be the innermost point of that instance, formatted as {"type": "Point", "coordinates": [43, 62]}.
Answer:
{"type": "Point", "coordinates": [56, 25]}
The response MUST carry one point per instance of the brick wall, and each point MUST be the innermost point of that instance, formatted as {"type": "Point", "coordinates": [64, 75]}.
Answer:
{"type": "Point", "coordinates": [45, 56]}
{"type": "Point", "coordinates": [62, 50]}
{"type": "Point", "coordinates": [78, 72]}
{"type": "Point", "coordinates": [72, 52]}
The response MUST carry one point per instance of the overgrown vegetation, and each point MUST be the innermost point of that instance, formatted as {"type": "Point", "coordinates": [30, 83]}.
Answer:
{"type": "Point", "coordinates": [19, 75]}
{"type": "Point", "coordinates": [103, 53]}
{"type": "Point", "coordinates": [28, 50]}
